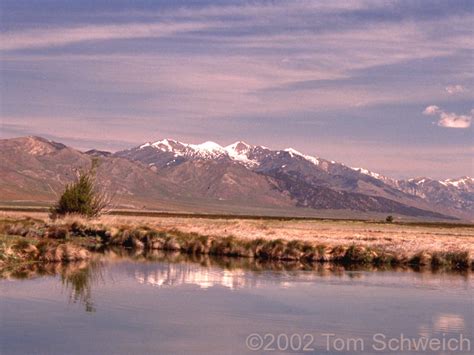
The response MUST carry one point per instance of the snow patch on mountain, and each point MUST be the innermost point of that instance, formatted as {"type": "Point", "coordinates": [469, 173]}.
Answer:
{"type": "Point", "coordinates": [373, 174]}
{"type": "Point", "coordinates": [417, 181]}
{"type": "Point", "coordinates": [207, 149]}
{"type": "Point", "coordinates": [461, 182]}
{"type": "Point", "coordinates": [311, 159]}
{"type": "Point", "coordinates": [240, 151]}
{"type": "Point", "coordinates": [165, 145]}
{"type": "Point", "coordinates": [464, 182]}
{"type": "Point", "coordinates": [366, 172]}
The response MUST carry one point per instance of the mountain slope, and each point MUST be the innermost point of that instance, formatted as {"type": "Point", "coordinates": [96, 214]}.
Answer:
{"type": "Point", "coordinates": [455, 194]}
{"type": "Point", "coordinates": [332, 185]}
{"type": "Point", "coordinates": [33, 168]}
{"type": "Point", "coordinates": [36, 170]}
{"type": "Point", "coordinates": [225, 181]}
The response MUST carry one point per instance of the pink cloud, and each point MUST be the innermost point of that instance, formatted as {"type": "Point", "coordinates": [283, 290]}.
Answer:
{"type": "Point", "coordinates": [454, 89]}
{"type": "Point", "coordinates": [431, 110]}
{"type": "Point", "coordinates": [449, 119]}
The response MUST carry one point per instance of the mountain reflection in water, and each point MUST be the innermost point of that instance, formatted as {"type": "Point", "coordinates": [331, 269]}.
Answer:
{"type": "Point", "coordinates": [174, 269]}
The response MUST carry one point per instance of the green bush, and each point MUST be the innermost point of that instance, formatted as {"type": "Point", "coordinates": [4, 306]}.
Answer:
{"type": "Point", "coordinates": [81, 197]}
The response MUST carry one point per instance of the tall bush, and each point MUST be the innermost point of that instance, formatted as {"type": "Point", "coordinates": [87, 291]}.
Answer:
{"type": "Point", "coordinates": [82, 197]}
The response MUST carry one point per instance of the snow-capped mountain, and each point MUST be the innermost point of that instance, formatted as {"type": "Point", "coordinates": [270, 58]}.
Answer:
{"type": "Point", "coordinates": [168, 152]}
{"type": "Point", "coordinates": [240, 152]}
{"type": "Point", "coordinates": [238, 178]}
{"type": "Point", "coordinates": [455, 193]}
{"type": "Point", "coordinates": [206, 150]}
{"type": "Point", "coordinates": [464, 183]}
{"type": "Point", "coordinates": [311, 181]}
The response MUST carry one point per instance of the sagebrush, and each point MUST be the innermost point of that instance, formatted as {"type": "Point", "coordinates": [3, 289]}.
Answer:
{"type": "Point", "coordinates": [82, 197]}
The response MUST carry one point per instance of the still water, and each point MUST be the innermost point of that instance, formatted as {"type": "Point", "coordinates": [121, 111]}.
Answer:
{"type": "Point", "coordinates": [166, 305]}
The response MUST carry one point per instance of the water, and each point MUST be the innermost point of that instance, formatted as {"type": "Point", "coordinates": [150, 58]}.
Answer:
{"type": "Point", "coordinates": [133, 305]}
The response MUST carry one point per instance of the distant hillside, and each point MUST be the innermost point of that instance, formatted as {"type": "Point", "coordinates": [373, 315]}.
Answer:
{"type": "Point", "coordinates": [239, 178]}
{"type": "Point", "coordinates": [312, 182]}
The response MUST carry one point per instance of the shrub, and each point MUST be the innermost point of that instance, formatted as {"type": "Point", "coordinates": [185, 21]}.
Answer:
{"type": "Point", "coordinates": [389, 219]}
{"type": "Point", "coordinates": [81, 197]}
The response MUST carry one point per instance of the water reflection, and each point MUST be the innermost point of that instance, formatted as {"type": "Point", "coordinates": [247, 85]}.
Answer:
{"type": "Point", "coordinates": [442, 324]}
{"type": "Point", "coordinates": [446, 322]}
{"type": "Point", "coordinates": [172, 269]}
{"type": "Point", "coordinates": [174, 303]}
{"type": "Point", "coordinates": [77, 278]}
{"type": "Point", "coordinates": [175, 275]}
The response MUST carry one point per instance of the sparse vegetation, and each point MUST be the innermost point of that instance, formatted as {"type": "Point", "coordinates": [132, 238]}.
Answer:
{"type": "Point", "coordinates": [19, 252]}
{"type": "Point", "coordinates": [82, 197]}
{"type": "Point", "coordinates": [389, 219]}
{"type": "Point", "coordinates": [54, 244]}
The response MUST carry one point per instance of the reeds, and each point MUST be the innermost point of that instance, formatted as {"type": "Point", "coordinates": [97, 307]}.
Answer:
{"type": "Point", "coordinates": [69, 233]}
{"type": "Point", "coordinates": [17, 252]}
{"type": "Point", "coordinates": [283, 250]}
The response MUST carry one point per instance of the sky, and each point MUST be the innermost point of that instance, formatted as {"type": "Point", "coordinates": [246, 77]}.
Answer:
{"type": "Point", "coordinates": [384, 85]}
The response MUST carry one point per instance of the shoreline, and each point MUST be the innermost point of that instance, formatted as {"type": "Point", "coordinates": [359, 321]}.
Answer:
{"type": "Point", "coordinates": [71, 239]}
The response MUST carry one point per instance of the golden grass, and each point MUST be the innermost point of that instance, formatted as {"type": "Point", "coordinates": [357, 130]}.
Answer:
{"type": "Point", "coordinates": [311, 240]}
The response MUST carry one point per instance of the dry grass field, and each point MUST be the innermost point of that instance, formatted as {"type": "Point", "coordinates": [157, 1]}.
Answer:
{"type": "Point", "coordinates": [401, 239]}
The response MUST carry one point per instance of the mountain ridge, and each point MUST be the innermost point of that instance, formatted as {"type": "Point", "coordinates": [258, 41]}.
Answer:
{"type": "Point", "coordinates": [239, 176]}
{"type": "Point", "coordinates": [237, 150]}
{"type": "Point", "coordinates": [323, 173]}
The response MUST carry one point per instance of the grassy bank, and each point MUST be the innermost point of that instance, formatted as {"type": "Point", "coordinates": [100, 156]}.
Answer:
{"type": "Point", "coordinates": [64, 234]}
{"type": "Point", "coordinates": [27, 242]}
{"type": "Point", "coordinates": [17, 252]}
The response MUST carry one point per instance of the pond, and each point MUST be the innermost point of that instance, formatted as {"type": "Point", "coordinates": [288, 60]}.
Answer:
{"type": "Point", "coordinates": [166, 304]}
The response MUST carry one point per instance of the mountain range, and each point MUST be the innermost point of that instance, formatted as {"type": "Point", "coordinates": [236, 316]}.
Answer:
{"type": "Point", "coordinates": [239, 178]}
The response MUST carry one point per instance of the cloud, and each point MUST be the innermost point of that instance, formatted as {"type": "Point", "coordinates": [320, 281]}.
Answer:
{"type": "Point", "coordinates": [176, 20]}
{"type": "Point", "coordinates": [431, 110]}
{"type": "Point", "coordinates": [454, 89]}
{"type": "Point", "coordinates": [44, 38]}
{"type": "Point", "coordinates": [452, 120]}
{"type": "Point", "coordinates": [449, 119]}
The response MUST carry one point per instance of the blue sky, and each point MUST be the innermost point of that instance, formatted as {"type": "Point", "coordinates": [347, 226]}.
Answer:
{"type": "Point", "coordinates": [344, 80]}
